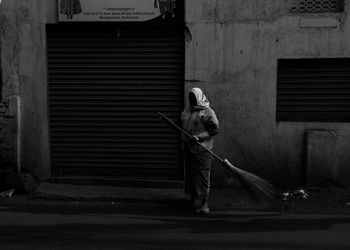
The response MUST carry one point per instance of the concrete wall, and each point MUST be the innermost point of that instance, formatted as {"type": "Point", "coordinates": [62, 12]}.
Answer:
{"type": "Point", "coordinates": [233, 56]}
{"type": "Point", "coordinates": [23, 56]}
{"type": "Point", "coordinates": [232, 49]}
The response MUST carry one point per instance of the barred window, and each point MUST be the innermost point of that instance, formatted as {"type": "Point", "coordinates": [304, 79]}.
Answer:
{"type": "Point", "coordinates": [316, 6]}
{"type": "Point", "coordinates": [313, 90]}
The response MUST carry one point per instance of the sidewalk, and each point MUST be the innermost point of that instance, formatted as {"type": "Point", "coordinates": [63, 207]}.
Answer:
{"type": "Point", "coordinates": [327, 199]}
{"type": "Point", "coordinates": [42, 224]}
{"type": "Point", "coordinates": [330, 199]}
{"type": "Point", "coordinates": [227, 198]}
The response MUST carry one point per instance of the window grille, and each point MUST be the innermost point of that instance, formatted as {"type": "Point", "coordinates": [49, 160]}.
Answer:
{"type": "Point", "coordinates": [316, 6]}
{"type": "Point", "coordinates": [313, 90]}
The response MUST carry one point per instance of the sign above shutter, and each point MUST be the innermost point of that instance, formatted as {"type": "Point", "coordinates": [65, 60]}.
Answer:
{"type": "Point", "coordinates": [114, 11]}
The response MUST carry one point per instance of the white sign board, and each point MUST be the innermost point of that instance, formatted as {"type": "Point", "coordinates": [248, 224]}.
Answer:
{"type": "Point", "coordinates": [113, 10]}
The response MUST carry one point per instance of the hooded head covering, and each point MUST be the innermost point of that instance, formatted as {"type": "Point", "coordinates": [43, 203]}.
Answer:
{"type": "Point", "coordinates": [202, 100]}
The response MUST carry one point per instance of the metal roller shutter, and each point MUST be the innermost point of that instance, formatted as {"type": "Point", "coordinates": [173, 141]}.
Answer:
{"type": "Point", "coordinates": [313, 90]}
{"type": "Point", "coordinates": [106, 85]}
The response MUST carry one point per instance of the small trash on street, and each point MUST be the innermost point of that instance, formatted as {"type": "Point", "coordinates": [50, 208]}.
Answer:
{"type": "Point", "coordinates": [7, 193]}
{"type": "Point", "coordinates": [296, 194]}
{"type": "Point", "coordinates": [301, 193]}
{"type": "Point", "coordinates": [285, 196]}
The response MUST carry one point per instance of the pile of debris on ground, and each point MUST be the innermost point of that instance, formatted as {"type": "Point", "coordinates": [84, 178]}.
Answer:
{"type": "Point", "coordinates": [330, 199]}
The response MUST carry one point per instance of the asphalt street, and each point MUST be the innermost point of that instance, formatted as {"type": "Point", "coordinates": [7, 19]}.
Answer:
{"type": "Point", "coordinates": [31, 224]}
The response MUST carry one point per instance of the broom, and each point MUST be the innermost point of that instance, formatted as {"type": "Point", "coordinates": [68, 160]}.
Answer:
{"type": "Point", "coordinates": [256, 186]}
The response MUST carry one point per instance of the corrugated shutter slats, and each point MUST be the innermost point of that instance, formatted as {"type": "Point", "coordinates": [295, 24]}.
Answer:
{"type": "Point", "coordinates": [313, 90]}
{"type": "Point", "coordinates": [105, 91]}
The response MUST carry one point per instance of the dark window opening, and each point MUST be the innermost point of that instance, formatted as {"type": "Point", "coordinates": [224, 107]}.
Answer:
{"type": "Point", "coordinates": [316, 6]}
{"type": "Point", "coordinates": [313, 90]}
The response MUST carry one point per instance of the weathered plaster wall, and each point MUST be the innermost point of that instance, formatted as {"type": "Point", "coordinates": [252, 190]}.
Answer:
{"type": "Point", "coordinates": [233, 55]}
{"type": "Point", "coordinates": [231, 52]}
{"type": "Point", "coordinates": [23, 47]}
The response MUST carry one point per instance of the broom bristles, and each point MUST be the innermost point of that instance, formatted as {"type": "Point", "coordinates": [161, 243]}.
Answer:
{"type": "Point", "coordinates": [258, 187]}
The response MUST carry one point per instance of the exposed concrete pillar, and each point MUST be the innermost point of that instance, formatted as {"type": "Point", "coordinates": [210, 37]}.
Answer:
{"type": "Point", "coordinates": [22, 35]}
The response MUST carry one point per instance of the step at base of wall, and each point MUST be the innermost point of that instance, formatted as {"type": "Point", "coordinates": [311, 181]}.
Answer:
{"type": "Point", "coordinates": [120, 182]}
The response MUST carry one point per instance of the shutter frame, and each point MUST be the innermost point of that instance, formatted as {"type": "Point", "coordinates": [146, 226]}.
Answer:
{"type": "Point", "coordinates": [104, 95]}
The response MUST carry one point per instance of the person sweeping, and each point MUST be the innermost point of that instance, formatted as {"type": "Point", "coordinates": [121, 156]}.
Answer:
{"type": "Point", "coordinates": [199, 125]}
{"type": "Point", "coordinates": [199, 121]}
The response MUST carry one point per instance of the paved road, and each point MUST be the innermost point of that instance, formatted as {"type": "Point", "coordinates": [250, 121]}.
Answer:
{"type": "Point", "coordinates": [106, 225]}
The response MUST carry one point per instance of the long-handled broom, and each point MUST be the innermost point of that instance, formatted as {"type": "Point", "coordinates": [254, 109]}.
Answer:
{"type": "Point", "coordinates": [255, 185]}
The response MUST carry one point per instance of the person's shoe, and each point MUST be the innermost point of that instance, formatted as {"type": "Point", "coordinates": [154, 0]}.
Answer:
{"type": "Point", "coordinates": [202, 210]}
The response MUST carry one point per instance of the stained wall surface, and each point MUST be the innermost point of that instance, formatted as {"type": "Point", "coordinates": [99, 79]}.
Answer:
{"type": "Point", "coordinates": [233, 53]}
{"type": "Point", "coordinates": [232, 48]}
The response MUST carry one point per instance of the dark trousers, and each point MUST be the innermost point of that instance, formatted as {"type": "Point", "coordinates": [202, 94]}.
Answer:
{"type": "Point", "coordinates": [197, 179]}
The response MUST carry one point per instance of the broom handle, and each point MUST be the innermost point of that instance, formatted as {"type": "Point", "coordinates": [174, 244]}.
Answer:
{"type": "Point", "coordinates": [189, 136]}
